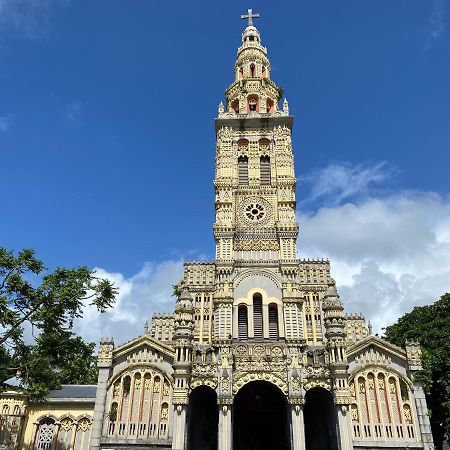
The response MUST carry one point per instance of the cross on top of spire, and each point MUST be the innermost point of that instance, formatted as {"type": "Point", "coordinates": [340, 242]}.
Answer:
{"type": "Point", "coordinates": [250, 16]}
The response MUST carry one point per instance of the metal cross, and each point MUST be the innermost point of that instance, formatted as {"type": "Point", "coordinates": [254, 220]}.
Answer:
{"type": "Point", "coordinates": [250, 16]}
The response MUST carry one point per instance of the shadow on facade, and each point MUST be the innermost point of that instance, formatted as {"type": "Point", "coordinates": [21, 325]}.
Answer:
{"type": "Point", "coordinates": [260, 418]}
{"type": "Point", "coordinates": [202, 419]}
{"type": "Point", "coordinates": [320, 420]}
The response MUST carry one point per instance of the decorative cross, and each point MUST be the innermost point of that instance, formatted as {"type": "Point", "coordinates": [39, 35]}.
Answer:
{"type": "Point", "coordinates": [250, 16]}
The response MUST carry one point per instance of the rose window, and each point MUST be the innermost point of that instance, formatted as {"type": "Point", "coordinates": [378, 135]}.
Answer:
{"type": "Point", "coordinates": [255, 211]}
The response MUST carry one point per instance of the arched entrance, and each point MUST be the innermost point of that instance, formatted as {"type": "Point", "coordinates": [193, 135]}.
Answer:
{"type": "Point", "coordinates": [260, 418]}
{"type": "Point", "coordinates": [202, 419]}
{"type": "Point", "coordinates": [320, 420]}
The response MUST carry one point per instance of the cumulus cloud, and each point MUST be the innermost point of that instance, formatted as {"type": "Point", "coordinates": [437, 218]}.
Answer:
{"type": "Point", "coordinates": [140, 295]}
{"type": "Point", "coordinates": [342, 181]}
{"type": "Point", "coordinates": [388, 253]}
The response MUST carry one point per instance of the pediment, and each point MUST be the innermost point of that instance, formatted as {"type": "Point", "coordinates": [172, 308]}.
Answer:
{"type": "Point", "coordinates": [375, 351]}
{"type": "Point", "coordinates": [144, 349]}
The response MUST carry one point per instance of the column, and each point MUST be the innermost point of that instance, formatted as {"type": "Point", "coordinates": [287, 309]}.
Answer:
{"type": "Point", "coordinates": [225, 429]}
{"type": "Point", "coordinates": [345, 427]}
{"type": "Point", "coordinates": [422, 417]}
{"type": "Point", "coordinates": [298, 427]}
{"type": "Point", "coordinates": [179, 427]}
{"type": "Point", "coordinates": [104, 364]}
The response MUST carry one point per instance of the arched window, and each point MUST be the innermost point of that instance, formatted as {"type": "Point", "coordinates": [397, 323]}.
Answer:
{"type": "Point", "coordinates": [270, 105]}
{"type": "Point", "coordinates": [243, 169]}
{"type": "Point", "coordinates": [252, 71]}
{"type": "Point", "coordinates": [380, 409]}
{"type": "Point", "coordinates": [252, 104]}
{"type": "Point", "coordinates": [235, 106]}
{"type": "Point", "coordinates": [264, 72]}
{"type": "Point", "coordinates": [45, 434]}
{"type": "Point", "coordinates": [273, 321]}
{"type": "Point", "coordinates": [242, 322]}
{"type": "Point", "coordinates": [241, 73]}
{"type": "Point", "coordinates": [257, 317]}
{"type": "Point", "coordinates": [264, 165]}
{"type": "Point", "coordinates": [136, 406]}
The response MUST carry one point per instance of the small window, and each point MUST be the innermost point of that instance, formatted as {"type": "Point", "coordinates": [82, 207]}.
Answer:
{"type": "Point", "coordinates": [264, 169]}
{"type": "Point", "coordinates": [252, 71]}
{"type": "Point", "coordinates": [243, 169]}
{"type": "Point", "coordinates": [273, 322]}
{"type": "Point", "coordinates": [257, 317]}
{"type": "Point", "coordinates": [242, 322]}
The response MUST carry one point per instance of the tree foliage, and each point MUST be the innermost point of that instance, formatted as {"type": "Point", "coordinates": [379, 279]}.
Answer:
{"type": "Point", "coordinates": [430, 325]}
{"type": "Point", "coordinates": [36, 302]}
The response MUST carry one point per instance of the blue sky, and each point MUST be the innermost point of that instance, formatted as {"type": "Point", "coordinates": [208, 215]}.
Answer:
{"type": "Point", "coordinates": [107, 137]}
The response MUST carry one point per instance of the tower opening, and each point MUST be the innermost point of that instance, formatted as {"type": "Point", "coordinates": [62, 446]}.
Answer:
{"type": "Point", "coordinates": [273, 322]}
{"type": "Point", "coordinates": [257, 317]}
{"type": "Point", "coordinates": [320, 420]}
{"type": "Point", "coordinates": [242, 322]}
{"type": "Point", "coordinates": [243, 170]}
{"type": "Point", "coordinates": [202, 419]}
{"type": "Point", "coordinates": [260, 418]}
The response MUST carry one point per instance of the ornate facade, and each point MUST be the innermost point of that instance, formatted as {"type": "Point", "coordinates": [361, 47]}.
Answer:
{"type": "Point", "coordinates": [259, 353]}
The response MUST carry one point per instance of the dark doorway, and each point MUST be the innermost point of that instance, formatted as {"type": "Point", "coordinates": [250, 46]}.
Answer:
{"type": "Point", "coordinates": [320, 420]}
{"type": "Point", "coordinates": [203, 419]}
{"type": "Point", "coordinates": [260, 418]}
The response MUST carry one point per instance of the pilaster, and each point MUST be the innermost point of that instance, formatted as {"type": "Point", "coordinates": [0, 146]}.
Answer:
{"type": "Point", "coordinates": [225, 430]}
{"type": "Point", "coordinates": [105, 359]}
{"type": "Point", "coordinates": [345, 427]}
{"type": "Point", "coordinates": [298, 427]}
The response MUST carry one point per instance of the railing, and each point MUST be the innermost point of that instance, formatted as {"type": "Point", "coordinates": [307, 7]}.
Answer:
{"type": "Point", "coordinates": [138, 430]}
{"type": "Point", "coordinates": [378, 431]}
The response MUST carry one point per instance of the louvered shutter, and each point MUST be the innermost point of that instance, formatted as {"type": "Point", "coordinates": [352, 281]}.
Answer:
{"type": "Point", "coordinates": [242, 322]}
{"type": "Point", "coordinates": [265, 170]}
{"type": "Point", "coordinates": [257, 317]}
{"type": "Point", "coordinates": [273, 322]}
{"type": "Point", "coordinates": [243, 170]}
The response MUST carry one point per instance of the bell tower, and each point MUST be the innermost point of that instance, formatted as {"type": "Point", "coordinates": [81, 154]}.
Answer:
{"type": "Point", "coordinates": [254, 178]}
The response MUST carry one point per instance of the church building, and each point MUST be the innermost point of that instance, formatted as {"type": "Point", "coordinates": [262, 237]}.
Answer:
{"type": "Point", "coordinates": [259, 353]}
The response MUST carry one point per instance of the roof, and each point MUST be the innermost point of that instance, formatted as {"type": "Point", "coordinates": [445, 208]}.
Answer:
{"type": "Point", "coordinates": [74, 391]}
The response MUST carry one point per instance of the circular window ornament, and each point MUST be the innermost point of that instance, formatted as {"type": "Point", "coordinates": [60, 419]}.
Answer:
{"type": "Point", "coordinates": [255, 211]}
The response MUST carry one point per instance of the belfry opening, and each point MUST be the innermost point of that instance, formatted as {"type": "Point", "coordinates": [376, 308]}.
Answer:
{"type": "Point", "coordinates": [260, 418]}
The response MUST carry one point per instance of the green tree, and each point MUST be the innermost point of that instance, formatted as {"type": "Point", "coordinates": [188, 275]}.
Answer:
{"type": "Point", "coordinates": [430, 325]}
{"type": "Point", "coordinates": [47, 303]}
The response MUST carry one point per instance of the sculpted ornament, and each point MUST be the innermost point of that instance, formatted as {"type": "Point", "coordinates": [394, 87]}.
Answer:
{"type": "Point", "coordinates": [260, 376]}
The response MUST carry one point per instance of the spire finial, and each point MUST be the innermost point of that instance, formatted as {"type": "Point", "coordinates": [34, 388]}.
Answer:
{"type": "Point", "coordinates": [146, 327]}
{"type": "Point", "coordinates": [250, 16]}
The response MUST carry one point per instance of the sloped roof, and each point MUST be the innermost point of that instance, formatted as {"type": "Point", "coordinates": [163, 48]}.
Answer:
{"type": "Point", "coordinates": [74, 391]}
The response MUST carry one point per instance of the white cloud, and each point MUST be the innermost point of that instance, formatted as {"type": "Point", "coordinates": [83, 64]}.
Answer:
{"type": "Point", "coordinates": [388, 254]}
{"type": "Point", "coordinates": [339, 182]}
{"type": "Point", "coordinates": [147, 292]}
{"type": "Point", "coordinates": [5, 122]}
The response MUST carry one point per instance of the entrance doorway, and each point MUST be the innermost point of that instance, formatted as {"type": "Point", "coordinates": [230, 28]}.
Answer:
{"type": "Point", "coordinates": [320, 420]}
{"type": "Point", "coordinates": [260, 418]}
{"type": "Point", "coordinates": [202, 419]}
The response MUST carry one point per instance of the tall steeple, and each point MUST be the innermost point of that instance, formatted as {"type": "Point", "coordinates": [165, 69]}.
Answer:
{"type": "Point", "coordinates": [255, 180]}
